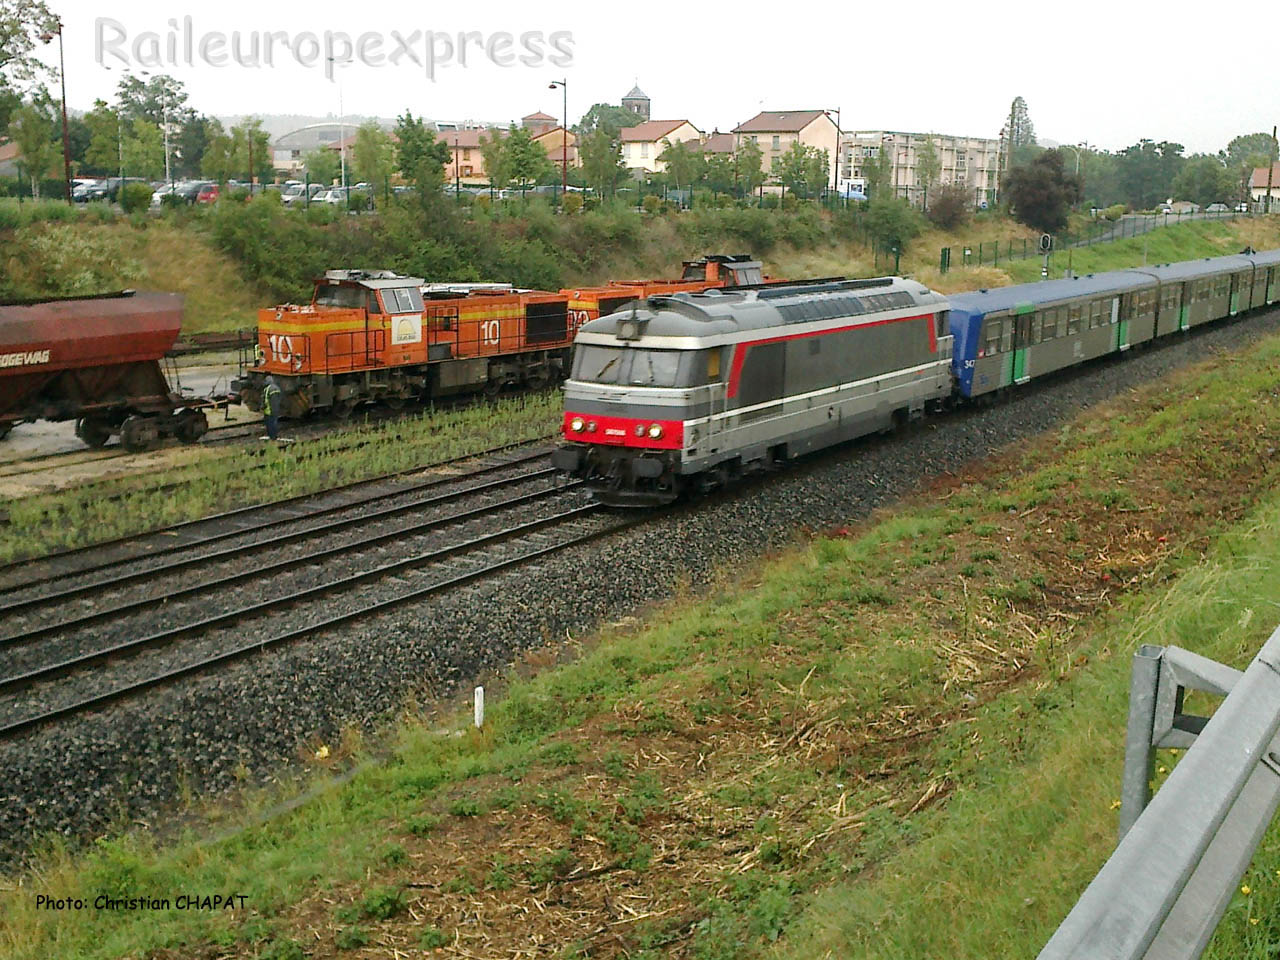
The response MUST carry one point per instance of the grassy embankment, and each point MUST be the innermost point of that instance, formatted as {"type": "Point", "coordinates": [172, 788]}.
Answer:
{"type": "Point", "coordinates": [231, 260]}
{"type": "Point", "coordinates": [900, 740]}
{"type": "Point", "coordinates": [217, 479]}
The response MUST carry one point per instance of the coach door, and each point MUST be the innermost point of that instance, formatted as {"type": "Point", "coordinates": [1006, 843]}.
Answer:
{"type": "Point", "coordinates": [717, 394]}
{"type": "Point", "coordinates": [1021, 341]}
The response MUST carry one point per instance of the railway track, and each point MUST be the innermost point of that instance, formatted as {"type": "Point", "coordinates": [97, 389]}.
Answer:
{"type": "Point", "coordinates": [60, 663]}
{"type": "Point", "coordinates": [98, 557]}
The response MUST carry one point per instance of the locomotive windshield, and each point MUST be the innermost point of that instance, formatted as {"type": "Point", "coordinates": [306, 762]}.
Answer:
{"type": "Point", "coordinates": [333, 295]}
{"type": "Point", "coordinates": [636, 368]}
{"type": "Point", "coordinates": [402, 299]}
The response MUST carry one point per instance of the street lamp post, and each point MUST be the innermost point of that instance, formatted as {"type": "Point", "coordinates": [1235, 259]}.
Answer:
{"type": "Point", "coordinates": [564, 136]}
{"type": "Point", "coordinates": [66, 138]}
{"type": "Point", "coordinates": [457, 178]}
{"type": "Point", "coordinates": [835, 173]}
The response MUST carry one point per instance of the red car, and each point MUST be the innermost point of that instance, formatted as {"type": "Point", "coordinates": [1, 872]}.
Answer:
{"type": "Point", "coordinates": [208, 193]}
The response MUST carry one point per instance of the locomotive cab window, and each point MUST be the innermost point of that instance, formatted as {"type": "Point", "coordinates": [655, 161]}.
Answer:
{"type": "Point", "coordinates": [402, 299]}
{"type": "Point", "coordinates": [333, 295]}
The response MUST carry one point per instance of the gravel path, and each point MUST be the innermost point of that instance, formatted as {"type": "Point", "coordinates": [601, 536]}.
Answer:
{"type": "Point", "coordinates": [128, 762]}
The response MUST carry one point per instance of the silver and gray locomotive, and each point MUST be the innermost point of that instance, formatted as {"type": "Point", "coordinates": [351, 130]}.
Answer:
{"type": "Point", "coordinates": [692, 390]}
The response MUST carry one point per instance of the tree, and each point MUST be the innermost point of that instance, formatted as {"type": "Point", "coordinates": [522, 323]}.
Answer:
{"type": "Point", "coordinates": [928, 168]}
{"type": "Point", "coordinates": [495, 159]}
{"type": "Point", "coordinates": [191, 142]}
{"type": "Point", "coordinates": [105, 139]}
{"type": "Point", "coordinates": [1248, 145]}
{"type": "Point", "coordinates": [1146, 171]}
{"type": "Point", "coordinates": [1041, 192]}
{"type": "Point", "coordinates": [34, 131]}
{"type": "Point", "coordinates": [952, 203]}
{"type": "Point", "coordinates": [748, 166]}
{"type": "Point", "coordinates": [683, 166]}
{"type": "Point", "coordinates": [892, 222]}
{"type": "Point", "coordinates": [21, 23]}
{"type": "Point", "coordinates": [251, 150]}
{"type": "Point", "coordinates": [219, 160]}
{"type": "Point", "coordinates": [526, 160]}
{"type": "Point", "coordinates": [1245, 154]}
{"type": "Point", "coordinates": [322, 165]}
{"type": "Point", "coordinates": [718, 172]}
{"type": "Point", "coordinates": [1017, 140]}
{"type": "Point", "coordinates": [601, 159]}
{"type": "Point", "coordinates": [152, 100]}
{"type": "Point", "coordinates": [877, 170]}
{"type": "Point", "coordinates": [1204, 180]}
{"type": "Point", "coordinates": [419, 156]}
{"type": "Point", "coordinates": [802, 169]}
{"type": "Point", "coordinates": [143, 149]}
{"type": "Point", "coordinates": [373, 155]}
{"type": "Point", "coordinates": [606, 117]}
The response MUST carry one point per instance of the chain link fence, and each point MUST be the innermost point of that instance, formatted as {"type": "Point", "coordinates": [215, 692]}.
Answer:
{"type": "Point", "coordinates": [992, 253]}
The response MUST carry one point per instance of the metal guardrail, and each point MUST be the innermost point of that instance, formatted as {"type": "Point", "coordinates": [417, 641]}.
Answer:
{"type": "Point", "coordinates": [1182, 853]}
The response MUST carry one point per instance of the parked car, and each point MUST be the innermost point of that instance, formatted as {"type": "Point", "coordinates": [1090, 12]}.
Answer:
{"type": "Point", "coordinates": [300, 191]}
{"type": "Point", "coordinates": [1242, 208]}
{"type": "Point", "coordinates": [1216, 208]}
{"type": "Point", "coordinates": [208, 193]}
{"type": "Point", "coordinates": [107, 189]}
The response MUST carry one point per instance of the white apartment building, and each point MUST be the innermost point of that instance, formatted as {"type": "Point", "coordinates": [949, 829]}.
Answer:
{"type": "Point", "coordinates": [971, 161]}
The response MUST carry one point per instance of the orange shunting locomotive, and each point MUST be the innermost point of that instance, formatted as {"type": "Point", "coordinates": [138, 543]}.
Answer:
{"type": "Point", "coordinates": [374, 335]}
{"type": "Point", "coordinates": [378, 336]}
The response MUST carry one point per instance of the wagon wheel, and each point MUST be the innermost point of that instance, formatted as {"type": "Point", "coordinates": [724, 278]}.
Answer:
{"type": "Point", "coordinates": [342, 409]}
{"type": "Point", "coordinates": [492, 387]}
{"type": "Point", "coordinates": [192, 425]}
{"type": "Point", "coordinates": [539, 378]}
{"type": "Point", "coordinates": [94, 431]}
{"type": "Point", "coordinates": [138, 434]}
{"type": "Point", "coordinates": [394, 403]}
{"type": "Point", "coordinates": [4, 429]}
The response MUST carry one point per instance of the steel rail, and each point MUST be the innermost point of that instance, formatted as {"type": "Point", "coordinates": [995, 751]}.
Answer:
{"type": "Point", "coordinates": [135, 576]}
{"type": "Point", "coordinates": [266, 524]}
{"type": "Point", "coordinates": [26, 724]}
{"type": "Point", "coordinates": [258, 571]}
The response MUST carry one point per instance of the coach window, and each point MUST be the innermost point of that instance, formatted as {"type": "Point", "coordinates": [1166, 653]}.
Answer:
{"type": "Point", "coordinates": [992, 344]}
{"type": "Point", "coordinates": [372, 304]}
{"type": "Point", "coordinates": [1049, 329]}
{"type": "Point", "coordinates": [1006, 335]}
{"type": "Point", "coordinates": [1037, 323]}
{"type": "Point", "coordinates": [1074, 314]}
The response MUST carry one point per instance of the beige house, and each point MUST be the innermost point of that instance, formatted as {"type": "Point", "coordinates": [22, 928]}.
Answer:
{"type": "Point", "coordinates": [774, 131]}
{"type": "Point", "coordinates": [973, 162]}
{"type": "Point", "coordinates": [466, 161]}
{"type": "Point", "coordinates": [1258, 186]}
{"type": "Point", "coordinates": [644, 143]}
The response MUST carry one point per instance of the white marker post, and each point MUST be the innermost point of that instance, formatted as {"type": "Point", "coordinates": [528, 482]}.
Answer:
{"type": "Point", "coordinates": [479, 707]}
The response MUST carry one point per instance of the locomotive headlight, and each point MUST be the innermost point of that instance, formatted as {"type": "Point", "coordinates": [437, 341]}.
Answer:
{"type": "Point", "coordinates": [655, 431]}
{"type": "Point", "coordinates": [577, 424]}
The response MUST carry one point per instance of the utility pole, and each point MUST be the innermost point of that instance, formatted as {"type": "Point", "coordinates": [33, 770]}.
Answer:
{"type": "Point", "coordinates": [62, 75]}
{"type": "Point", "coordinates": [1271, 167]}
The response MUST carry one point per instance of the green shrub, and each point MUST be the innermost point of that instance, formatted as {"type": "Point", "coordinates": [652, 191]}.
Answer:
{"type": "Point", "coordinates": [651, 204]}
{"type": "Point", "coordinates": [135, 197]}
{"type": "Point", "coordinates": [1114, 212]}
{"type": "Point", "coordinates": [572, 202]}
{"type": "Point", "coordinates": [352, 937]}
{"type": "Point", "coordinates": [432, 937]}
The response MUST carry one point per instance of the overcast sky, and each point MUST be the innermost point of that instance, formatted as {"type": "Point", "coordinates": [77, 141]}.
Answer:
{"type": "Point", "coordinates": [1106, 73]}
